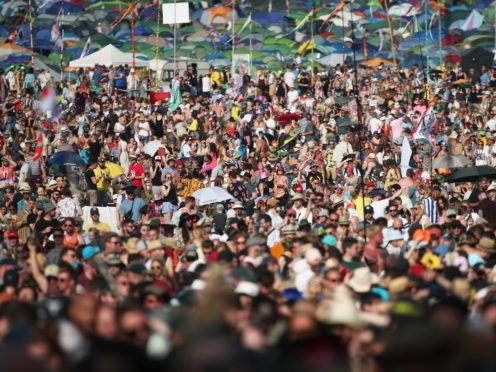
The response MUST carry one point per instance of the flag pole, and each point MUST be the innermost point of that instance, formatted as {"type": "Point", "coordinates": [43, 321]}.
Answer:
{"type": "Point", "coordinates": [440, 41]}
{"type": "Point", "coordinates": [425, 37]}
{"type": "Point", "coordinates": [251, 50]}
{"type": "Point", "coordinates": [62, 44]}
{"type": "Point", "coordinates": [157, 46]}
{"type": "Point", "coordinates": [133, 36]}
{"type": "Point", "coordinates": [390, 30]}
{"type": "Point", "coordinates": [342, 33]}
{"type": "Point", "coordinates": [31, 31]}
{"type": "Point", "coordinates": [232, 36]}
{"type": "Point", "coordinates": [311, 31]}
{"type": "Point", "coordinates": [175, 33]}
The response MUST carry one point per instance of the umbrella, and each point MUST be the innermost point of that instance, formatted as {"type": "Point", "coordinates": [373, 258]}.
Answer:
{"type": "Point", "coordinates": [342, 100]}
{"type": "Point", "coordinates": [450, 161]}
{"type": "Point", "coordinates": [472, 174]}
{"type": "Point", "coordinates": [211, 195]}
{"type": "Point", "coordinates": [152, 147]}
{"type": "Point", "coordinates": [62, 158]}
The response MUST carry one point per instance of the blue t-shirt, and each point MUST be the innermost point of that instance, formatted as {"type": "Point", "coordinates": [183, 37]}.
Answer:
{"type": "Point", "coordinates": [120, 79]}
{"type": "Point", "coordinates": [136, 206]}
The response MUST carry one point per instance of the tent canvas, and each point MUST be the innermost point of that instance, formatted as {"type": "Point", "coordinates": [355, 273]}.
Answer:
{"type": "Point", "coordinates": [107, 56]}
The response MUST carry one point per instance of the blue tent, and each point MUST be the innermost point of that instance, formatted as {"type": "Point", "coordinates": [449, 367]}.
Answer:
{"type": "Point", "coordinates": [414, 59]}
{"type": "Point", "coordinates": [55, 7]}
{"type": "Point", "coordinates": [266, 19]}
{"type": "Point", "coordinates": [13, 60]}
{"type": "Point", "coordinates": [143, 31]}
{"type": "Point", "coordinates": [148, 14]}
{"type": "Point", "coordinates": [4, 32]}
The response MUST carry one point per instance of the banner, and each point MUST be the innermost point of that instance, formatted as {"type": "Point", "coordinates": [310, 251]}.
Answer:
{"type": "Point", "coordinates": [424, 125]}
{"type": "Point", "coordinates": [241, 62]}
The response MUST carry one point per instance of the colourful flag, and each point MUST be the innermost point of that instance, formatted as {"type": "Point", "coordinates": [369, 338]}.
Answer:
{"type": "Point", "coordinates": [307, 45]}
{"type": "Point", "coordinates": [38, 151]}
{"type": "Point", "coordinates": [334, 12]}
{"type": "Point", "coordinates": [176, 98]}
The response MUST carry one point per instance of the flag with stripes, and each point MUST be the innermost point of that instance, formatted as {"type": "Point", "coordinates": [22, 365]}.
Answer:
{"type": "Point", "coordinates": [424, 125]}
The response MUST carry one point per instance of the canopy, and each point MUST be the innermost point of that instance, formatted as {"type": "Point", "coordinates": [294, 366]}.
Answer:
{"type": "Point", "coordinates": [374, 62]}
{"type": "Point", "coordinates": [108, 56]}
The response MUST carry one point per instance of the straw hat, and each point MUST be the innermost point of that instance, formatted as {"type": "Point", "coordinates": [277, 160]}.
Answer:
{"type": "Point", "coordinates": [486, 244]}
{"type": "Point", "coordinates": [154, 245]}
{"type": "Point", "coordinates": [297, 196]}
{"type": "Point", "coordinates": [341, 311]}
{"type": "Point", "coordinates": [362, 280]}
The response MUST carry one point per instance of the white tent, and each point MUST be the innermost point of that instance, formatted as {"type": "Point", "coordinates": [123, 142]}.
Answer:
{"type": "Point", "coordinates": [108, 56]}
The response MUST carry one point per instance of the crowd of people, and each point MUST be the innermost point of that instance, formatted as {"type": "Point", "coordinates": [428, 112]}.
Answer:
{"type": "Point", "coordinates": [343, 245]}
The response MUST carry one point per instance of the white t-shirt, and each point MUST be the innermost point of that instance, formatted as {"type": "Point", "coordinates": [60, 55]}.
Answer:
{"type": "Point", "coordinates": [185, 151]}
{"type": "Point", "coordinates": [289, 79]}
{"type": "Point", "coordinates": [374, 125]}
{"type": "Point", "coordinates": [292, 96]}
{"type": "Point", "coordinates": [206, 84]}
{"type": "Point", "coordinates": [379, 208]}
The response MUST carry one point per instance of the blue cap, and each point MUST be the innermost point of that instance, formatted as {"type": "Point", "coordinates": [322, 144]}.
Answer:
{"type": "Point", "coordinates": [442, 250]}
{"type": "Point", "coordinates": [329, 240]}
{"type": "Point", "coordinates": [475, 259]}
{"type": "Point", "coordinates": [89, 251]}
{"type": "Point", "coordinates": [292, 294]}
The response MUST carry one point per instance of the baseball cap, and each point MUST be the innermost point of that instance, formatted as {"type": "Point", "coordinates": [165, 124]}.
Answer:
{"type": "Point", "coordinates": [89, 251]}
{"type": "Point", "coordinates": [369, 209]}
{"type": "Point", "coordinates": [94, 211]}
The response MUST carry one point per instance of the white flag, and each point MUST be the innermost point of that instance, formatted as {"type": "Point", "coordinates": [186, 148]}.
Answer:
{"type": "Point", "coordinates": [86, 48]}
{"type": "Point", "coordinates": [406, 154]}
{"type": "Point", "coordinates": [245, 25]}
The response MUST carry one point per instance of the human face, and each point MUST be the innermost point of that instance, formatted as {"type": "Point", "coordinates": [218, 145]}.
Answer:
{"type": "Point", "coordinates": [115, 244]}
{"type": "Point", "coordinates": [69, 256]}
{"type": "Point", "coordinates": [134, 326]}
{"type": "Point", "coordinates": [156, 269]}
{"type": "Point", "coordinates": [69, 227]}
{"type": "Point", "coordinates": [153, 234]}
{"type": "Point", "coordinates": [241, 242]}
{"type": "Point", "coordinates": [123, 284]}
{"type": "Point", "coordinates": [393, 211]}
{"type": "Point", "coordinates": [63, 282]}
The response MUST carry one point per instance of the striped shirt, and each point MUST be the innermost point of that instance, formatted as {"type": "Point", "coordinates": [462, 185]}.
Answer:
{"type": "Point", "coordinates": [430, 207]}
{"type": "Point", "coordinates": [35, 165]}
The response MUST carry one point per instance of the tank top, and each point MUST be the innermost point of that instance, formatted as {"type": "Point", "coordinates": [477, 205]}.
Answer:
{"type": "Point", "coordinates": [71, 240]}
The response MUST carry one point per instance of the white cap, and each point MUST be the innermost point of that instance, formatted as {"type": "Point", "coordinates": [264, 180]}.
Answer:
{"type": "Point", "coordinates": [247, 288]}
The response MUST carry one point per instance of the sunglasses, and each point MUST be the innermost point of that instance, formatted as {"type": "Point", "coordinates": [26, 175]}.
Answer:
{"type": "Point", "coordinates": [68, 225]}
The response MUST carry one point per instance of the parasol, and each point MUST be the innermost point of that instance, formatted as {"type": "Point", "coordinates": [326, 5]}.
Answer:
{"type": "Point", "coordinates": [450, 161]}
{"type": "Point", "coordinates": [212, 195]}
{"type": "Point", "coordinates": [472, 174]}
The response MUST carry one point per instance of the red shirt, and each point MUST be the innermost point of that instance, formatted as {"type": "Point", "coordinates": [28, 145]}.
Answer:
{"type": "Point", "coordinates": [136, 171]}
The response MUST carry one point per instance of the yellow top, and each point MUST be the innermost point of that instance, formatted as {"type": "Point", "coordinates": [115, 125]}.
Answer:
{"type": "Point", "coordinates": [102, 184]}
{"type": "Point", "coordinates": [100, 226]}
